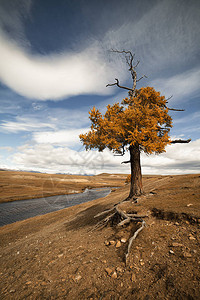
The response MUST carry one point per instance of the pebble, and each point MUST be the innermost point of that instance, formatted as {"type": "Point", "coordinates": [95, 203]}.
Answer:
{"type": "Point", "coordinates": [123, 240]}
{"type": "Point", "coordinates": [78, 277]}
{"type": "Point", "coordinates": [171, 251]}
{"type": "Point", "coordinates": [12, 291]}
{"type": "Point", "coordinates": [114, 275]}
{"type": "Point", "coordinates": [191, 237]}
{"type": "Point", "coordinates": [118, 244]}
{"type": "Point", "coordinates": [133, 277]}
{"type": "Point", "coordinates": [28, 282]}
{"type": "Point", "coordinates": [106, 243]}
{"type": "Point", "coordinates": [60, 255]}
{"type": "Point", "coordinates": [112, 243]}
{"type": "Point", "coordinates": [108, 271]}
{"type": "Point", "coordinates": [190, 204]}
{"type": "Point", "coordinates": [187, 254]}
{"type": "Point", "coordinates": [120, 270]}
{"type": "Point", "coordinates": [175, 244]}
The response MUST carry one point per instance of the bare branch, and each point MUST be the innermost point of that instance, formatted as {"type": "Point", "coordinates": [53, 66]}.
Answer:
{"type": "Point", "coordinates": [136, 64]}
{"type": "Point", "coordinates": [144, 76]}
{"type": "Point", "coordinates": [126, 162]}
{"type": "Point", "coordinates": [120, 86]}
{"type": "Point", "coordinates": [181, 141]}
{"type": "Point", "coordinates": [174, 109]}
{"type": "Point", "coordinates": [169, 98]}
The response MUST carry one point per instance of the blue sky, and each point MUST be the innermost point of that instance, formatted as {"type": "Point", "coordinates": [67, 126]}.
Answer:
{"type": "Point", "coordinates": [54, 66]}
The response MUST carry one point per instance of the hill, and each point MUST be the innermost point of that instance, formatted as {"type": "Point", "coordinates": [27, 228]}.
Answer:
{"type": "Point", "coordinates": [61, 256]}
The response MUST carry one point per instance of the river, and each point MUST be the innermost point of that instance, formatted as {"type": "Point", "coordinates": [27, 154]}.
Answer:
{"type": "Point", "coordinates": [11, 212]}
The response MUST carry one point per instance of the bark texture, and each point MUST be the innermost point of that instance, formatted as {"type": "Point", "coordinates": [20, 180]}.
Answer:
{"type": "Point", "coordinates": [136, 174]}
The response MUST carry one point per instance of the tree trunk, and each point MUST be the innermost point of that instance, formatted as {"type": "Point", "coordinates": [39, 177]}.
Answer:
{"type": "Point", "coordinates": [136, 174]}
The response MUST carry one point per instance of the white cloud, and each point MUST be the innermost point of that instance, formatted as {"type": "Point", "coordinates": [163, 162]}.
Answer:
{"type": "Point", "coordinates": [53, 76]}
{"type": "Point", "coordinates": [181, 85]}
{"type": "Point", "coordinates": [24, 124]}
{"type": "Point", "coordinates": [60, 137]}
{"type": "Point", "coordinates": [7, 148]}
{"type": "Point", "coordinates": [178, 159]}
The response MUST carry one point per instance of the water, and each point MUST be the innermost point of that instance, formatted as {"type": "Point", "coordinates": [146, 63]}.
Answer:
{"type": "Point", "coordinates": [11, 212]}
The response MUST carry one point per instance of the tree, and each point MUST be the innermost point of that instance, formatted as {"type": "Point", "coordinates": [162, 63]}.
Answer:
{"type": "Point", "coordinates": [140, 123]}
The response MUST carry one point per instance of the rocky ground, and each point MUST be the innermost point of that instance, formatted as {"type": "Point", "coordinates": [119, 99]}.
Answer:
{"type": "Point", "coordinates": [61, 256]}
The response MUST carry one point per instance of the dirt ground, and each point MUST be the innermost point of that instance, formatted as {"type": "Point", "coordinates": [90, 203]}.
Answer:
{"type": "Point", "coordinates": [60, 256]}
{"type": "Point", "coordinates": [28, 185]}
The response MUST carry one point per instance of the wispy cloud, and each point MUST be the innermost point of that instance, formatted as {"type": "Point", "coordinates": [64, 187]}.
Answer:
{"type": "Point", "coordinates": [24, 124]}
{"type": "Point", "coordinates": [181, 85]}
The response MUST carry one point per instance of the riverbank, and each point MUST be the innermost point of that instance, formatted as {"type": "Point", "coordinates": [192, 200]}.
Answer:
{"type": "Point", "coordinates": [14, 211]}
{"type": "Point", "coordinates": [15, 185]}
{"type": "Point", "coordinates": [59, 256]}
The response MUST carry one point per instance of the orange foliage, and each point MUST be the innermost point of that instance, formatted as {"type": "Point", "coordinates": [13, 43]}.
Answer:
{"type": "Point", "coordinates": [141, 120]}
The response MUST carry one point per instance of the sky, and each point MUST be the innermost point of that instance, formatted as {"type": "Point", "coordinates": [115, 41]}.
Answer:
{"type": "Point", "coordinates": [55, 62]}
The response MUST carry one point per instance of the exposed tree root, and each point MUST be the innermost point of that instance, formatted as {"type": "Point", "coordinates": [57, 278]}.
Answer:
{"type": "Point", "coordinates": [118, 217]}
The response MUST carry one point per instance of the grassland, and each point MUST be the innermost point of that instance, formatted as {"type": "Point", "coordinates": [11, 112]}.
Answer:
{"type": "Point", "coordinates": [61, 256]}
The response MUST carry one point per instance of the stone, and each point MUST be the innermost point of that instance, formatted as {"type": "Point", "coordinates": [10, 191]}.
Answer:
{"type": "Point", "coordinates": [191, 237]}
{"type": "Point", "coordinates": [118, 244]}
{"type": "Point", "coordinates": [78, 277]}
{"type": "Point", "coordinates": [12, 291]}
{"type": "Point", "coordinates": [114, 275]}
{"type": "Point", "coordinates": [123, 240]}
{"type": "Point", "coordinates": [28, 282]}
{"type": "Point", "coordinates": [171, 251]}
{"type": "Point", "coordinates": [175, 244]}
{"type": "Point", "coordinates": [187, 254]}
{"type": "Point", "coordinates": [60, 255]}
{"type": "Point", "coordinates": [112, 243]}
{"type": "Point", "coordinates": [190, 204]}
{"type": "Point", "coordinates": [133, 277]}
{"type": "Point", "coordinates": [120, 270]}
{"type": "Point", "coordinates": [108, 271]}
{"type": "Point", "coordinates": [106, 243]}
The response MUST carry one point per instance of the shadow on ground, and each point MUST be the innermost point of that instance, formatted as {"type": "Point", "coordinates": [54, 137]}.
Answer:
{"type": "Point", "coordinates": [86, 217]}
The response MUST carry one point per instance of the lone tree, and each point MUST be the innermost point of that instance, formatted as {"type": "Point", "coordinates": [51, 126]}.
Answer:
{"type": "Point", "coordinates": [140, 123]}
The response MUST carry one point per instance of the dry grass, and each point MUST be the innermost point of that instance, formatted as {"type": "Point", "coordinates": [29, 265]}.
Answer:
{"type": "Point", "coordinates": [27, 185]}
{"type": "Point", "coordinates": [57, 256]}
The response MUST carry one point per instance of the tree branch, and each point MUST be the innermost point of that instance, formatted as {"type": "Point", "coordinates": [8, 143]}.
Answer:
{"type": "Point", "coordinates": [169, 98]}
{"type": "Point", "coordinates": [144, 76]}
{"type": "Point", "coordinates": [181, 141]}
{"type": "Point", "coordinates": [126, 162]}
{"type": "Point", "coordinates": [120, 86]}
{"type": "Point", "coordinates": [174, 109]}
{"type": "Point", "coordinates": [132, 68]}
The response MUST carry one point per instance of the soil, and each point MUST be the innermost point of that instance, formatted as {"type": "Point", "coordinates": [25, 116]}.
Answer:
{"type": "Point", "coordinates": [61, 256]}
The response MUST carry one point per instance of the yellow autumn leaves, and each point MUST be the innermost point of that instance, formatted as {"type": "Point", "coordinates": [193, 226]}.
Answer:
{"type": "Point", "coordinates": [141, 120]}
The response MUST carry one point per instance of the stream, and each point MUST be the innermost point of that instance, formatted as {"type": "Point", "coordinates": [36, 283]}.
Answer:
{"type": "Point", "coordinates": [11, 212]}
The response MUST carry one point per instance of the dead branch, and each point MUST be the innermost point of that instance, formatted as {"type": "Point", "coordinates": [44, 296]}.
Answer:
{"type": "Point", "coordinates": [133, 238]}
{"type": "Point", "coordinates": [175, 109]}
{"type": "Point", "coordinates": [144, 76]}
{"type": "Point", "coordinates": [126, 162]}
{"type": "Point", "coordinates": [120, 86]}
{"type": "Point", "coordinates": [129, 60]}
{"type": "Point", "coordinates": [181, 141]}
{"type": "Point", "coordinates": [169, 98]}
